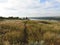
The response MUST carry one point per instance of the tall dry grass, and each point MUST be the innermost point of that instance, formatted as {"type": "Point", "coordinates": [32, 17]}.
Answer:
{"type": "Point", "coordinates": [36, 32]}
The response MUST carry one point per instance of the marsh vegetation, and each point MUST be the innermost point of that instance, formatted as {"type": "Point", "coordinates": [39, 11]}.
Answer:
{"type": "Point", "coordinates": [29, 32]}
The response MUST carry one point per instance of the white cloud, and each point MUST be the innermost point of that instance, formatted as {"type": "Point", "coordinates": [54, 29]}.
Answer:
{"type": "Point", "coordinates": [28, 8]}
{"type": "Point", "coordinates": [58, 0]}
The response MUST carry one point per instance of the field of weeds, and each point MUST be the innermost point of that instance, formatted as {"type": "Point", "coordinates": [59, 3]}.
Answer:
{"type": "Point", "coordinates": [29, 32]}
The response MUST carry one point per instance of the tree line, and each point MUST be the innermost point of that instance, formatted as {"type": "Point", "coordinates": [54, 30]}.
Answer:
{"type": "Point", "coordinates": [24, 18]}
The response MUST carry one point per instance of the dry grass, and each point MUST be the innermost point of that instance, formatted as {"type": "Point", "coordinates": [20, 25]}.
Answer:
{"type": "Point", "coordinates": [13, 31]}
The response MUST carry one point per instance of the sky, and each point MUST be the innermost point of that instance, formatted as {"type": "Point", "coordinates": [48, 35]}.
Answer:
{"type": "Point", "coordinates": [29, 8]}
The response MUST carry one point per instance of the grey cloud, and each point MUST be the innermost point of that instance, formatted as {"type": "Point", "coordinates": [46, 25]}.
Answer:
{"type": "Point", "coordinates": [11, 9]}
{"type": "Point", "coordinates": [3, 1]}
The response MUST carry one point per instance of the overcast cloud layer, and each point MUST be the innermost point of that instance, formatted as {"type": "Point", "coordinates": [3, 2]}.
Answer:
{"type": "Point", "coordinates": [31, 8]}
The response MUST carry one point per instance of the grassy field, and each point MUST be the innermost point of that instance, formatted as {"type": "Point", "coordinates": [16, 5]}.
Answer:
{"type": "Point", "coordinates": [29, 32]}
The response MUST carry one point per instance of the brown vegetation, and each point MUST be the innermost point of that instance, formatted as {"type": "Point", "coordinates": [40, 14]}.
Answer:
{"type": "Point", "coordinates": [29, 32]}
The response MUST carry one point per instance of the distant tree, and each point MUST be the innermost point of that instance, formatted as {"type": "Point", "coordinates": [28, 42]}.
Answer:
{"type": "Point", "coordinates": [25, 18]}
{"type": "Point", "coordinates": [1, 17]}
{"type": "Point", "coordinates": [10, 17]}
{"type": "Point", "coordinates": [14, 18]}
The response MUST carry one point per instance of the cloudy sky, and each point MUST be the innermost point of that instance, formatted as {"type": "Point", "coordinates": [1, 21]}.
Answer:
{"type": "Point", "coordinates": [23, 8]}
